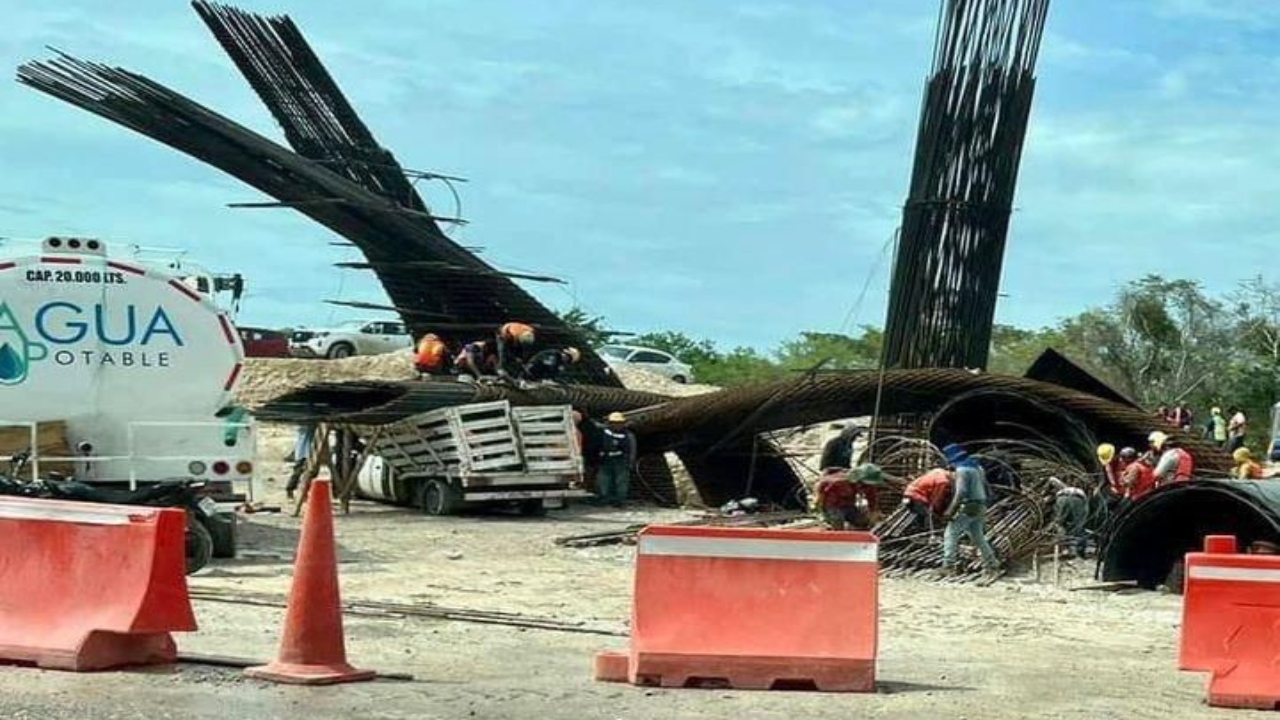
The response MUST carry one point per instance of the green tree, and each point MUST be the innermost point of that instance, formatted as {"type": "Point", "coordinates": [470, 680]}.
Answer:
{"type": "Point", "coordinates": [832, 351]}
{"type": "Point", "coordinates": [590, 328]}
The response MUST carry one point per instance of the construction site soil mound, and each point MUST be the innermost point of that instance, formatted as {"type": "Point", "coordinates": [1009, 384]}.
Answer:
{"type": "Point", "coordinates": [266, 378]}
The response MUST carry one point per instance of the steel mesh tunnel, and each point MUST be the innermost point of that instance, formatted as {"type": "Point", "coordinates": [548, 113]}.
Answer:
{"type": "Point", "coordinates": [951, 247]}
{"type": "Point", "coordinates": [1155, 533]}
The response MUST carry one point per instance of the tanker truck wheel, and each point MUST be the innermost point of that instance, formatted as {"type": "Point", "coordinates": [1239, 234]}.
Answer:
{"type": "Point", "coordinates": [199, 545]}
{"type": "Point", "coordinates": [439, 497]}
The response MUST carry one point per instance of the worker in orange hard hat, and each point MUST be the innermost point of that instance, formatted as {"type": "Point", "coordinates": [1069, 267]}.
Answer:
{"type": "Point", "coordinates": [514, 344]}
{"type": "Point", "coordinates": [547, 365]}
{"type": "Point", "coordinates": [432, 356]}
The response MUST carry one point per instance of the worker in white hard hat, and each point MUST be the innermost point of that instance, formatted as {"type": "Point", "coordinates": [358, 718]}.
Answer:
{"type": "Point", "coordinates": [616, 455]}
{"type": "Point", "coordinates": [547, 365]}
{"type": "Point", "coordinates": [1176, 464]}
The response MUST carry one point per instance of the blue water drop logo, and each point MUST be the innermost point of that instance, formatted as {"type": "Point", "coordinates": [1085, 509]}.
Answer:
{"type": "Point", "coordinates": [13, 367]}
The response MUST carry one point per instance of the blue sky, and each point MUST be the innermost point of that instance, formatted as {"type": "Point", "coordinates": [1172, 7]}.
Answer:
{"type": "Point", "coordinates": [728, 169]}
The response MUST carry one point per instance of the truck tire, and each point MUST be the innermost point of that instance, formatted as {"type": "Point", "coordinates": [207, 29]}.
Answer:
{"type": "Point", "coordinates": [340, 350]}
{"type": "Point", "coordinates": [533, 507]}
{"type": "Point", "coordinates": [199, 545]}
{"type": "Point", "coordinates": [222, 528]}
{"type": "Point", "coordinates": [439, 497]}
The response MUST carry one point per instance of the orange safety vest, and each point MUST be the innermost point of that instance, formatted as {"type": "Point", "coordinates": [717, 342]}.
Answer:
{"type": "Point", "coordinates": [431, 354]}
{"type": "Point", "coordinates": [930, 488]}
{"type": "Point", "coordinates": [1142, 480]}
{"type": "Point", "coordinates": [1186, 466]}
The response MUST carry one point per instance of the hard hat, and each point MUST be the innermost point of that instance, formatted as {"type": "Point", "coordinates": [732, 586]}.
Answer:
{"type": "Point", "coordinates": [1106, 451]}
{"type": "Point", "coordinates": [954, 454]}
{"type": "Point", "coordinates": [869, 473]}
{"type": "Point", "coordinates": [574, 354]}
{"type": "Point", "coordinates": [1216, 411]}
{"type": "Point", "coordinates": [1157, 439]}
{"type": "Point", "coordinates": [617, 417]}
{"type": "Point", "coordinates": [1128, 453]}
{"type": "Point", "coordinates": [1241, 455]}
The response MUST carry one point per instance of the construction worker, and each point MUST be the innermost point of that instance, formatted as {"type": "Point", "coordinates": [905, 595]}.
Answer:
{"type": "Point", "coordinates": [966, 513]}
{"type": "Point", "coordinates": [514, 341]}
{"type": "Point", "coordinates": [548, 364]}
{"type": "Point", "coordinates": [1139, 477]}
{"type": "Point", "coordinates": [927, 496]}
{"type": "Point", "coordinates": [1111, 469]}
{"type": "Point", "coordinates": [1217, 429]}
{"type": "Point", "coordinates": [837, 453]}
{"type": "Point", "coordinates": [1237, 428]}
{"type": "Point", "coordinates": [432, 357]}
{"type": "Point", "coordinates": [1246, 467]}
{"type": "Point", "coordinates": [303, 445]}
{"type": "Point", "coordinates": [849, 500]}
{"type": "Point", "coordinates": [1176, 464]}
{"type": "Point", "coordinates": [477, 359]}
{"type": "Point", "coordinates": [1070, 514]}
{"type": "Point", "coordinates": [617, 455]}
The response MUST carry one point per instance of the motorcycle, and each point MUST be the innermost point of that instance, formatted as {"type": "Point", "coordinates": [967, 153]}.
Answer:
{"type": "Point", "coordinates": [201, 510]}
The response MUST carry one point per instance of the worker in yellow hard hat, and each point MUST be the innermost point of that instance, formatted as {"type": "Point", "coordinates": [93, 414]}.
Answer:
{"type": "Point", "coordinates": [1113, 470]}
{"type": "Point", "coordinates": [617, 455]}
{"type": "Point", "coordinates": [1246, 467]}
{"type": "Point", "coordinates": [549, 364]}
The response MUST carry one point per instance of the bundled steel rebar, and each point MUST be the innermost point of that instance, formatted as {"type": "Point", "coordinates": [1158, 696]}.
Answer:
{"type": "Point", "coordinates": [976, 106]}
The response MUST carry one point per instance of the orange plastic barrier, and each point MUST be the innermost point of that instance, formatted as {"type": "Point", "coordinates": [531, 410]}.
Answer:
{"type": "Point", "coordinates": [1231, 624]}
{"type": "Point", "coordinates": [88, 587]}
{"type": "Point", "coordinates": [752, 609]}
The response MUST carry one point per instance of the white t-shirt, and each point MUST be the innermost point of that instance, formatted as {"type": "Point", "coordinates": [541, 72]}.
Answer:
{"type": "Point", "coordinates": [1238, 423]}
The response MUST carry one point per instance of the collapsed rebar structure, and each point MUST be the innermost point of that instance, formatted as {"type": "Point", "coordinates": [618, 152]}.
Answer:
{"type": "Point", "coordinates": [954, 225]}
{"type": "Point", "coordinates": [985, 412]}
{"type": "Point", "coordinates": [339, 176]}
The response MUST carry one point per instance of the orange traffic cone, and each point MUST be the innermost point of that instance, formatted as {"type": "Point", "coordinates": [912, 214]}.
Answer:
{"type": "Point", "coordinates": [312, 651]}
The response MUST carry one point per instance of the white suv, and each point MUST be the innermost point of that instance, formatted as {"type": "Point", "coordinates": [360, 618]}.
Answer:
{"type": "Point", "coordinates": [655, 361]}
{"type": "Point", "coordinates": [358, 337]}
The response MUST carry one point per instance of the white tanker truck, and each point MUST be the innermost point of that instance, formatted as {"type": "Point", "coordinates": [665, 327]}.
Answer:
{"type": "Point", "coordinates": [136, 366]}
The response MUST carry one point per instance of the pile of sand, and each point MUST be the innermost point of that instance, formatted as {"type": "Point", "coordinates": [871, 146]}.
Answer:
{"type": "Point", "coordinates": [267, 378]}
{"type": "Point", "coordinates": [637, 379]}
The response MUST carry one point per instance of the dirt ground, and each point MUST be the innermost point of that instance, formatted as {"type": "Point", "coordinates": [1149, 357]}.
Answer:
{"type": "Point", "coordinates": [1017, 649]}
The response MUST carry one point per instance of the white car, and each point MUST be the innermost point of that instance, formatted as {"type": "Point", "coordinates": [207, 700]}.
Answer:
{"type": "Point", "coordinates": [358, 337]}
{"type": "Point", "coordinates": [655, 361]}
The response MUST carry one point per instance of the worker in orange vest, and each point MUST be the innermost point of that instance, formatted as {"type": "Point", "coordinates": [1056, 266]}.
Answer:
{"type": "Point", "coordinates": [1176, 464]}
{"type": "Point", "coordinates": [1138, 477]}
{"type": "Point", "coordinates": [514, 343]}
{"type": "Point", "coordinates": [432, 356]}
{"type": "Point", "coordinates": [927, 496]}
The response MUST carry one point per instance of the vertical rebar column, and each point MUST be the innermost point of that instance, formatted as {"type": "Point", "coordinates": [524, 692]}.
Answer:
{"type": "Point", "coordinates": [974, 119]}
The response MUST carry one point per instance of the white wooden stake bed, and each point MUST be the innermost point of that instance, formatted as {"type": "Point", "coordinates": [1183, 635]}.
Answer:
{"type": "Point", "coordinates": [482, 453]}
